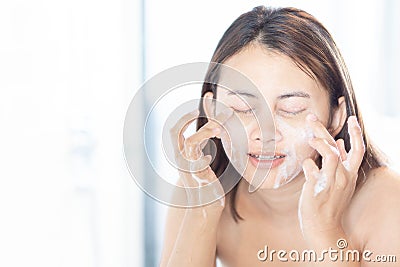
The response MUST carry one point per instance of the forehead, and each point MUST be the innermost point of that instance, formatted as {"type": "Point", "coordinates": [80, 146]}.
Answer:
{"type": "Point", "coordinates": [273, 74]}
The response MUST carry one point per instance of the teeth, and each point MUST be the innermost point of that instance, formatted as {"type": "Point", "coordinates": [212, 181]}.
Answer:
{"type": "Point", "coordinates": [264, 157]}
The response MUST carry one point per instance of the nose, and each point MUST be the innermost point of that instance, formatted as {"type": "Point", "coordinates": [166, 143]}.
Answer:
{"type": "Point", "coordinates": [263, 129]}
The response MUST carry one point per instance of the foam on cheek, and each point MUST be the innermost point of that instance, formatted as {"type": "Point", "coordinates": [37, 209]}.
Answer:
{"type": "Point", "coordinates": [287, 171]}
{"type": "Point", "coordinates": [306, 133]}
{"type": "Point", "coordinates": [282, 172]}
{"type": "Point", "coordinates": [291, 167]}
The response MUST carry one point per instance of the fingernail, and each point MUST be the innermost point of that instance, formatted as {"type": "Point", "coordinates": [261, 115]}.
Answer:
{"type": "Point", "coordinates": [312, 117]}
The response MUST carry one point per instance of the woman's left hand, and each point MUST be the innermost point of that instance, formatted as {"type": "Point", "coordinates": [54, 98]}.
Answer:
{"type": "Point", "coordinates": [328, 191]}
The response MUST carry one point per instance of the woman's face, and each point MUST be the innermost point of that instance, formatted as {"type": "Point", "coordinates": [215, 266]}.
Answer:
{"type": "Point", "coordinates": [274, 118]}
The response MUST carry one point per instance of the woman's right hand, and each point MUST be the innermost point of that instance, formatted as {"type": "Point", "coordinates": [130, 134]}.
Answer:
{"type": "Point", "coordinates": [194, 167]}
{"type": "Point", "coordinates": [198, 222]}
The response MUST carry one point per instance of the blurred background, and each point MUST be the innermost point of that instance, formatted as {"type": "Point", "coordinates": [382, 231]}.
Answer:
{"type": "Point", "coordinates": [68, 71]}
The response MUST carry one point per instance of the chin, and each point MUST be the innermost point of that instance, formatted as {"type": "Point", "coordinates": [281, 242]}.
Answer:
{"type": "Point", "coordinates": [272, 181]}
{"type": "Point", "coordinates": [260, 183]}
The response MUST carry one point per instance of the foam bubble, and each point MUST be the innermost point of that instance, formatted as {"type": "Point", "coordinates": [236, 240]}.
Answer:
{"type": "Point", "coordinates": [321, 184]}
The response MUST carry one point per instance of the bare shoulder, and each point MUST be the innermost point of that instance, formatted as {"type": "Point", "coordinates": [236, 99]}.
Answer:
{"type": "Point", "coordinates": [380, 191]}
{"type": "Point", "coordinates": [375, 207]}
{"type": "Point", "coordinates": [382, 184]}
{"type": "Point", "coordinates": [384, 172]}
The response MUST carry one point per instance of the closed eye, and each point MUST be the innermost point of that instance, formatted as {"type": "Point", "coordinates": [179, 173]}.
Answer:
{"type": "Point", "coordinates": [246, 111]}
{"type": "Point", "coordinates": [292, 113]}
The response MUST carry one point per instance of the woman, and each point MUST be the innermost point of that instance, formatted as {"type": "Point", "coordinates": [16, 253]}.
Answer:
{"type": "Point", "coordinates": [324, 181]}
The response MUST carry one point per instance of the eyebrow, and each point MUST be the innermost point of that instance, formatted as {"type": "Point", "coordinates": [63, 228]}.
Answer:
{"type": "Point", "coordinates": [284, 96]}
{"type": "Point", "coordinates": [242, 93]}
{"type": "Point", "coordinates": [294, 94]}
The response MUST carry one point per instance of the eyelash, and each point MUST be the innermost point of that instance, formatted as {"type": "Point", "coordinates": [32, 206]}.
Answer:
{"type": "Point", "coordinates": [246, 112]}
{"type": "Point", "coordinates": [250, 111]}
{"type": "Point", "coordinates": [292, 113]}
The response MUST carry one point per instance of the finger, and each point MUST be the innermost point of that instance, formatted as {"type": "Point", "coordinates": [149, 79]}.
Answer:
{"type": "Point", "coordinates": [330, 155]}
{"type": "Point", "coordinates": [203, 185]}
{"type": "Point", "coordinates": [200, 165]}
{"type": "Point", "coordinates": [322, 185]}
{"type": "Point", "coordinates": [356, 153]}
{"type": "Point", "coordinates": [343, 190]}
{"type": "Point", "coordinates": [342, 149]}
{"type": "Point", "coordinates": [192, 144]}
{"type": "Point", "coordinates": [202, 172]}
{"type": "Point", "coordinates": [198, 168]}
{"type": "Point", "coordinates": [310, 169]}
{"type": "Point", "coordinates": [216, 123]}
{"type": "Point", "coordinates": [180, 127]}
{"type": "Point", "coordinates": [208, 188]}
{"type": "Point", "coordinates": [342, 181]}
{"type": "Point", "coordinates": [220, 119]}
{"type": "Point", "coordinates": [311, 173]}
{"type": "Point", "coordinates": [319, 129]}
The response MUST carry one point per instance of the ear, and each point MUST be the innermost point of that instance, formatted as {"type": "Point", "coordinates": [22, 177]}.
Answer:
{"type": "Point", "coordinates": [339, 117]}
{"type": "Point", "coordinates": [208, 104]}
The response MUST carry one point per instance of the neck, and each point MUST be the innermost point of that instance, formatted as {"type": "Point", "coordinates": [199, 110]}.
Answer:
{"type": "Point", "coordinates": [273, 203]}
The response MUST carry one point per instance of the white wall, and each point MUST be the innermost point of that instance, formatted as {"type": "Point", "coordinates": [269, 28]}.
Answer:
{"type": "Point", "coordinates": [68, 70]}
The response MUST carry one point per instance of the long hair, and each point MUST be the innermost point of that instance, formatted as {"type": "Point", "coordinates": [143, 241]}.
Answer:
{"type": "Point", "coordinates": [298, 35]}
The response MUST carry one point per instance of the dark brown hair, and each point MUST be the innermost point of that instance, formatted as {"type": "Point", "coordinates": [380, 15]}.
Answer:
{"type": "Point", "coordinates": [298, 35]}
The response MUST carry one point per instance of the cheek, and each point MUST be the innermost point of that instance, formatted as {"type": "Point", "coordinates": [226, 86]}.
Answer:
{"type": "Point", "coordinates": [226, 143]}
{"type": "Point", "coordinates": [235, 146]}
{"type": "Point", "coordinates": [295, 139]}
{"type": "Point", "coordinates": [302, 150]}
{"type": "Point", "coordinates": [234, 139]}
{"type": "Point", "coordinates": [235, 134]}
